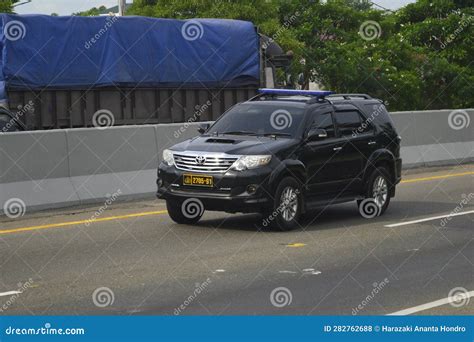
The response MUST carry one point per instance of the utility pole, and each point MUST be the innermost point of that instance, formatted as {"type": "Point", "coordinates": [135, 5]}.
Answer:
{"type": "Point", "coordinates": [121, 7]}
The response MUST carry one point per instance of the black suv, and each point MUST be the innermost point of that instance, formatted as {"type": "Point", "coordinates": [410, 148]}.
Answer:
{"type": "Point", "coordinates": [282, 153]}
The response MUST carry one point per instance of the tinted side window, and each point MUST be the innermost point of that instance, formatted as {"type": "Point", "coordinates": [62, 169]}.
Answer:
{"type": "Point", "coordinates": [348, 121]}
{"type": "Point", "coordinates": [379, 116]}
{"type": "Point", "coordinates": [324, 121]}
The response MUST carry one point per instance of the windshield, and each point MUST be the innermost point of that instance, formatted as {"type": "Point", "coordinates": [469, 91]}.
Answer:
{"type": "Point", "coordinates": [260, 119]}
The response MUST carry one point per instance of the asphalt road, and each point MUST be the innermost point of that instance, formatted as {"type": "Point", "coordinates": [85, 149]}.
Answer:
{"type": "Point", "coordinates": [338, 263]}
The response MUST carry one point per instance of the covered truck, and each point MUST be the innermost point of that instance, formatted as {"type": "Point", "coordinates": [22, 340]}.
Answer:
{"type": "Point", "coordinates": [142, 70]}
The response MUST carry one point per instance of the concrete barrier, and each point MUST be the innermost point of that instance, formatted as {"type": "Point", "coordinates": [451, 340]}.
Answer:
{"type": "Point", "coordinates": [34, 169]}
{"type": "Point", "coordinates": [440, 137]}
{"type": "Point", "coordinates": [103, 162]}
{"type": "Point", "coordinates": [47, 169]}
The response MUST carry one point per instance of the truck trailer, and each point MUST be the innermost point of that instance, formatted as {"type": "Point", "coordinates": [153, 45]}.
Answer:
{"type": "Point", "coordinates": [141, 70]}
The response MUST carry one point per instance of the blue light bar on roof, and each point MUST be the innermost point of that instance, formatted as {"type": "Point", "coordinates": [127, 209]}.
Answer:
{"type": "Point", "coordinates": [292, 92]}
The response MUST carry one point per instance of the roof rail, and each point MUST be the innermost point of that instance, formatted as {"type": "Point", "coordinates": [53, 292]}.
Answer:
{"type": "Point", "coordinates": [348, 96]}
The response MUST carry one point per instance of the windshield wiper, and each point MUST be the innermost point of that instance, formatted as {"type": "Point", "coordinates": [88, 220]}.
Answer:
{"type": "Point", "coordinates": [240, 133]}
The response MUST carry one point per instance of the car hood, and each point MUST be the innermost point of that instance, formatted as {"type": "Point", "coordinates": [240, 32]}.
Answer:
{"type": "Point", "coordinates": [235, 144]}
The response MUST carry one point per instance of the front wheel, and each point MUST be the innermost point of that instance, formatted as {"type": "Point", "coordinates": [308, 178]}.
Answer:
{"type": "Point", "coordinates": [188, 211]}
{"type": "Point", "coordinates": [286, 210]}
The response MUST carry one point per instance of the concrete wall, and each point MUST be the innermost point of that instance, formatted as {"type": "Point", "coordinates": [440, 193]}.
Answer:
{"type": "Point", "coordinates": [47, 169]}
{"type": "Point", "coordinates": [442, 137]}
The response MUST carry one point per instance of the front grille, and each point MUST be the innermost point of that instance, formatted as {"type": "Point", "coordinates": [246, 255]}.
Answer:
{"type": "Point", "coordinates": [212, 162]}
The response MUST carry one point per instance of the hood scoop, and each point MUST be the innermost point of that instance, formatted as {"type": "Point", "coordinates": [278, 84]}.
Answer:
{"type": "Point", "coordinates": [221, 141]}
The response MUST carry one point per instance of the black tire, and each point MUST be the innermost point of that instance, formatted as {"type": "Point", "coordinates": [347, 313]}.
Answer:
{"type": "Point", "coordinates": [380, 174]}
{"type": "Point", "coordinates": [285, 217]}
{"type": "Point", "coordinates": [188, 211]}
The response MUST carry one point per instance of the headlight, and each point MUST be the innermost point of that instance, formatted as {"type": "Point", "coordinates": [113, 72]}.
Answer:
{"type": "Point", "coordinates": [250, 162]}
{"type": "Point", "coordinates": [168, 157]}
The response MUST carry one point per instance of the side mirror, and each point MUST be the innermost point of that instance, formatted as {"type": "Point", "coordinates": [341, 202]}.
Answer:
{"type": "Point", "coordinates": [203, 127]}
{"type": "Point", "coordinates": [317, 134]}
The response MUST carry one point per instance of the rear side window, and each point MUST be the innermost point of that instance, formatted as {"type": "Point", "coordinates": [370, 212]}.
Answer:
{"type": "Point", "coordinates": [348, 121]}
{"type": "Point", "coordinates": [324, 121]}
{"type": "Point", "coordinates": [378, 114]}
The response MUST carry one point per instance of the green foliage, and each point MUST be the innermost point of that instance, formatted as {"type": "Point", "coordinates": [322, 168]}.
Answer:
{"type": "Point", "coordinates": [422, 59]}
{"type": "Point", "coordinates": [92, 12]}
{"type": "Point", "coordinates": [6, 6]}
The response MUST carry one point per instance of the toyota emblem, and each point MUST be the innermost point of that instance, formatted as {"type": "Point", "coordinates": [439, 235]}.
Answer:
{"type": "Point", "coordinates": [200, 160]}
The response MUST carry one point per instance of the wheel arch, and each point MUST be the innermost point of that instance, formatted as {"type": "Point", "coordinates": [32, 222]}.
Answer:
{"type": "Point", "coordinates": [379, 158]}
{"type": "Point", "coordinates": [289, 168]}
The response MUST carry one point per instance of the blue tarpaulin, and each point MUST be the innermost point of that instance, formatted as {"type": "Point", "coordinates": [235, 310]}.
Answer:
{"type": "Point", "coordinates": [39, 51]}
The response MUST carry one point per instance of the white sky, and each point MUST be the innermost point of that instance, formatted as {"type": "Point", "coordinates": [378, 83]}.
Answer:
{"type": "Point", "coordinates": [62, 7]}
{"type": "Point", "coordinates": [67, 7]}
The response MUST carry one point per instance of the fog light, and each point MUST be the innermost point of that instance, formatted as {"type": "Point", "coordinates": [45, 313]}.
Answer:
{"type": "Point", "coordinates": [252, 188]}
{"type": "Point", "coordinates": [159, 182]}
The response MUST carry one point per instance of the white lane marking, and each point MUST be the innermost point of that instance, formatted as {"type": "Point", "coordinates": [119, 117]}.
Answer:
{"type": "Point", "coordinates": [429, 219]}
{"type": "Point", "coordinates": [434, 304]}
{"type": "Point", "coordinates": [289, 272]}
{"type": "Point", "coordinates": [9, 293]}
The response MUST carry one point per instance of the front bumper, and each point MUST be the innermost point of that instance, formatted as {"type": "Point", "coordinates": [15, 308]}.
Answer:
{"type": "Point", "coordinates": [229, 193]}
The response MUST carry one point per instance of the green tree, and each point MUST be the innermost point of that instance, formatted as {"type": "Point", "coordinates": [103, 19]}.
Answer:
{"type": "Point", "coordinates": [92, 12]}
{"type": "Point", "coordinates": [6, 6]}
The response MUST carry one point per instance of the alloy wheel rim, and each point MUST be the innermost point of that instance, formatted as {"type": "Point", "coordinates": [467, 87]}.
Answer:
{"type": "Point", "coordinates": [289, 203]}
{"type": "Point", "coordinates": [380, 191]}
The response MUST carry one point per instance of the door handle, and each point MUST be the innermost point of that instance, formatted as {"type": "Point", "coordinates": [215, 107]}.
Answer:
{"type": "Point", "coordinates": [371, 143]}
{"type": "Point", "coordinates": [337, 148]}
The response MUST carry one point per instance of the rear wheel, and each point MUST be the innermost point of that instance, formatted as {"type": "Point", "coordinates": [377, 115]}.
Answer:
{"type": "Point", "coordinates": [286, 210]}
{"type": "Point", "coordinates": [188, 211]}
{"type": "Point", "coordinates": [377, 193]}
